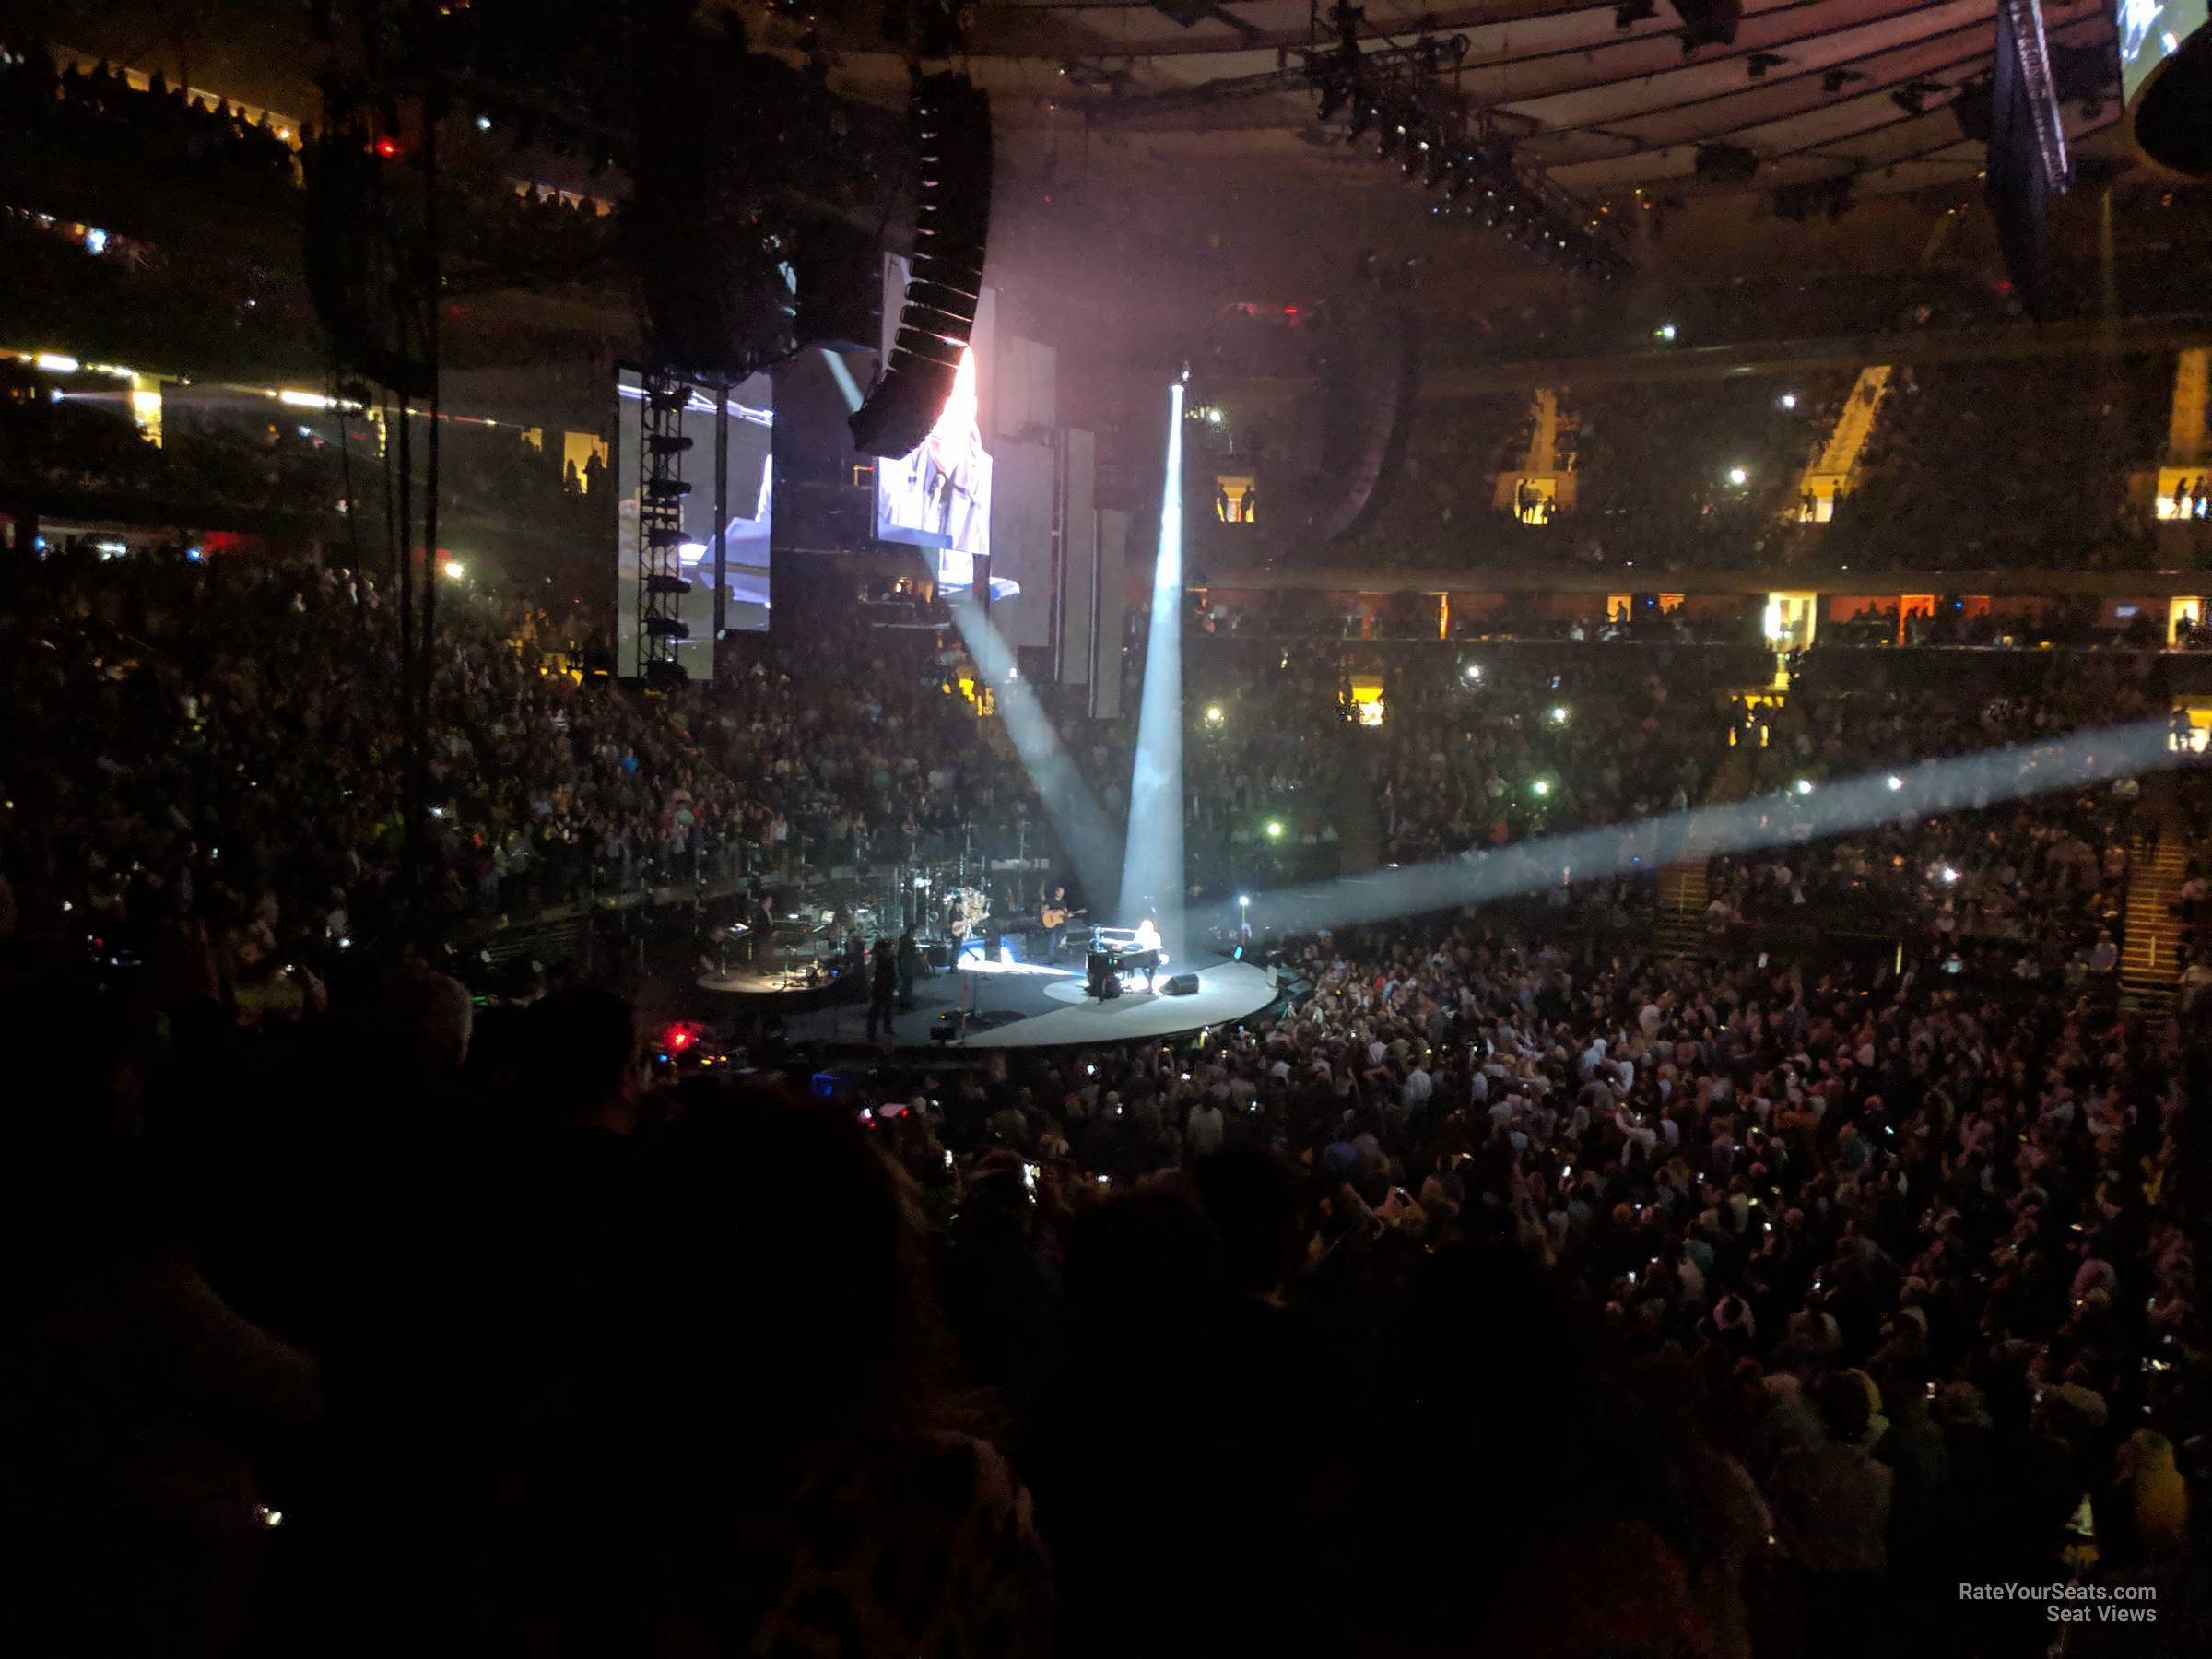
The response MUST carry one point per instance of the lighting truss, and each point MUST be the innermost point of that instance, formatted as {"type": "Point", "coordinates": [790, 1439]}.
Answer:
{"type": "Point", "coordinates": [1388, 93]}
{"type": "Point", "coordinates": [661, 493]}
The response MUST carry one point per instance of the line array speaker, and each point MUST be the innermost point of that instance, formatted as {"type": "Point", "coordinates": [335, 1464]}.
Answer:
{"type": "Point", "coordinates": [952, 224]}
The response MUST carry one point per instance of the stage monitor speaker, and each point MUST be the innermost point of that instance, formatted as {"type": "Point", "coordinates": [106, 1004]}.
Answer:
{"type": "Point", "coordinates": [1182, 985]}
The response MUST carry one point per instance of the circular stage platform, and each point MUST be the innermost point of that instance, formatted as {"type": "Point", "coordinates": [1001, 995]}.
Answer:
{"type": "Point", "coordinates": [1004, 1005]}
{"type": "Point", "coordinates": [747, 982]}
{"type": "Point", "coordinates": [1226, 991]}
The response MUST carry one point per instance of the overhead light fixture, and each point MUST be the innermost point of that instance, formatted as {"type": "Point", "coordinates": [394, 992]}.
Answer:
{"type": "Point", "coordinates": [1708, 22]}
{"type": "Point", "coordinates": [1917, 98]}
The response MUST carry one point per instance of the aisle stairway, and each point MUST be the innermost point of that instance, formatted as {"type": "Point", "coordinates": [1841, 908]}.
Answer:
{"type": "Point", "coordinates": [1685, 886]}
{"type": "Point", "coordinates": [1831, 469]}
{"type": "Point", "coordinates": [1543, 456]}
{"type": "Point", "coordinates": [2150, 960]}
{"type": "Point", "coordinates": [1352, 808]}
{"type": "Point", "coordinates": [2185, 420]}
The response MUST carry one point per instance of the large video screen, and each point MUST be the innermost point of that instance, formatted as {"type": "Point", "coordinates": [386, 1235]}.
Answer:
{"type": "Point", "coordinates": [745, 514]}
{"type": "Point", "coordinates": [2150, 33]}
{"type": "Point", "coordinates": [939, 497]}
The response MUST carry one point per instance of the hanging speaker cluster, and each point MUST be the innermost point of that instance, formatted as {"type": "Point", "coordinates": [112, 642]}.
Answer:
{"type": "Point", "coordinates": [1369, 384]}
{"type": "Point", "coordinates": [952, 138]}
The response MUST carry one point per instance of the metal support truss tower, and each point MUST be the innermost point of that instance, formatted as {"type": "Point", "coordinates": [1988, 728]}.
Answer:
{"type": "Point", "coordinates": [661, 536]}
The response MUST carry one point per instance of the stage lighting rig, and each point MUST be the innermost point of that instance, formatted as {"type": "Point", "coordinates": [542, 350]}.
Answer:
{"type": "Point", "coordinates": [1918, 97]}
{"type": "Point", "coordinates": [1434, 55]}
{"type": "Point", "coordinates": [1708, 22]}
{"type": "Point", "coordinates": [1336, 71]}
{"type": "Point", "coordinates": [1389, 91]}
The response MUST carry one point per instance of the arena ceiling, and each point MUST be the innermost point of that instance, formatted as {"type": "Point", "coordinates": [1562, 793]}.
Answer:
{"type": "Point", "coordinates": [1600, 99]}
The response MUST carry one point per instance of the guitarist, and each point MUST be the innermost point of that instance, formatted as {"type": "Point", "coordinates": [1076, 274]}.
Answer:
{"type": "Point", "coordinates": [1055, 914]}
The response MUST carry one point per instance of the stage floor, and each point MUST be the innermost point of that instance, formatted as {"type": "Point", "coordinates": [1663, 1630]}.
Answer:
{"type": "Point", "coordinates": [1226, 991]}
{"type": "Point", "coordinates": [1016, 1006]}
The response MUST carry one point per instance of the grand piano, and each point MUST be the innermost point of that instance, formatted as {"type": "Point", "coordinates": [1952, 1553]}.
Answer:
{"type": "Point", "coordinates": [1116, 955]}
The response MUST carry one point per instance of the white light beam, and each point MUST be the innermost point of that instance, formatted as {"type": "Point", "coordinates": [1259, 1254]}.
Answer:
{"type": "Point", "coordinates": [1152, 856]}
{"type": "Point", "coordinates": [1929, 790]}
{"type": "Point", "coordinates": [1069, 801]}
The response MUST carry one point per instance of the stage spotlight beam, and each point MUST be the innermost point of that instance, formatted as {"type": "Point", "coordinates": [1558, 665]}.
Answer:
{"type": "Point", "coordinates": [1152, 855]}
{"type": "Point", "coordinates": [1068, 803]}
{"type": "Point", "coordinates": [1960, 784]}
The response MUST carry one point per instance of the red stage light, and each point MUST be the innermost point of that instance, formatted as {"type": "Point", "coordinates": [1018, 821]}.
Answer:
{"type": "Point", "coordinates": [387, 148]}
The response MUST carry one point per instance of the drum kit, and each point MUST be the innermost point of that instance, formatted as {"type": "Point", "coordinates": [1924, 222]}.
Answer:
{"type": "Point", "coordinates": [966, 911]}
{"type": "Point", "coordinates": [952, 909]}
{"type": "Point", "coordinates": [945, 905]}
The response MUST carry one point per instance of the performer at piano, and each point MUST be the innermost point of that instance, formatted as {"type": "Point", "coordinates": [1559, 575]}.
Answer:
{"type": "Point", "coordinates": [1148, 954]}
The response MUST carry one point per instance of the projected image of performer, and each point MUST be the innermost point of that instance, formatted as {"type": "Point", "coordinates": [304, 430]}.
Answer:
{"type": "Point", "coordinates": [956, 474]}
{"type": "Point", "coordinates": [943, 489]}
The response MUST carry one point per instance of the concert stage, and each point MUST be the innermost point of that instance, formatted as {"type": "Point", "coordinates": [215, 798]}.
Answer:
{"type": "Point", "coordinates": [1008, 1005]}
